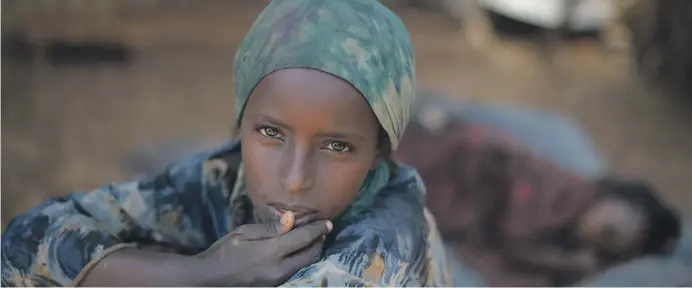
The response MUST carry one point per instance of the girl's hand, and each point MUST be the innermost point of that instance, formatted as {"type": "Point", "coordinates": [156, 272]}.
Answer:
{"type": "Point", "coordinates": [265, 254]}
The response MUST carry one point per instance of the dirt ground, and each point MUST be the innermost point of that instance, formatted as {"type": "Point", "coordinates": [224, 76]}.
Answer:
{"type": "Point", "coordinates": [67, 128]}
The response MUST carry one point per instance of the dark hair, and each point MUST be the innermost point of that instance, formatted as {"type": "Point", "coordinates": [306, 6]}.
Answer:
{"type": "Point", "coordinates": [663, 223]}
{"type": "Point", "coordinates": [383, 144]}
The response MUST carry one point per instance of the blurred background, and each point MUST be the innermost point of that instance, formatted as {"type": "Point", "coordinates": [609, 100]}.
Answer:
{"type": "Point", "coordinates": [87, 82]}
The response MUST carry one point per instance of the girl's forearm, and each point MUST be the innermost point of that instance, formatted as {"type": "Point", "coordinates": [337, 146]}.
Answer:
{"type": "Point", "coordinates": [133, 267]}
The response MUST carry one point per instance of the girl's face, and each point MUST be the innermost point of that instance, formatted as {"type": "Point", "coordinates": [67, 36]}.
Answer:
{"type": "Point", "coordinates": [308, 141]}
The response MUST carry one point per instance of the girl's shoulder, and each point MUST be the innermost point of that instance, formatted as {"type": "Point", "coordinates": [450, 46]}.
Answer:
{"type": "Point", "coordinates": [399, 206]}
{"type": "Point", "coordinates": [398, 228]}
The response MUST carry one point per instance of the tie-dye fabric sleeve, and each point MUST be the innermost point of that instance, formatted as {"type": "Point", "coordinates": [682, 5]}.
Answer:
{"type": "Point", "coordinates": [184, 208]}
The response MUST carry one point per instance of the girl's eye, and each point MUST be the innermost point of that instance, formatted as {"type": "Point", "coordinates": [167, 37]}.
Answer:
{"type": "Point", "coordinates": [269, 132]}
{"type": "Point", "coordinates": [337, 146]}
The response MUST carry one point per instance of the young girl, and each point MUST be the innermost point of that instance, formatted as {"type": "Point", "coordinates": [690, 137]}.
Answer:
{"type": "Point", "coordinates": [309, 195]}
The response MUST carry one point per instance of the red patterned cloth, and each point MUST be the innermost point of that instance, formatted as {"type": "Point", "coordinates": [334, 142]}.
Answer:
{"type": "Point", "coordinates": [486, 191]}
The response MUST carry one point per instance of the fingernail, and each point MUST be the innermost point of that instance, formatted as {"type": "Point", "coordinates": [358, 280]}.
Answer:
{"type": "Point", "coordinates": [329, 226]}
{"type": "Point", "coordinates": [284, 219]}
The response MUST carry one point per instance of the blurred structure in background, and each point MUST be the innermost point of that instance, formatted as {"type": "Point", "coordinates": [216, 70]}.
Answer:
{"type": "Point", "coordinates": [662, 43]}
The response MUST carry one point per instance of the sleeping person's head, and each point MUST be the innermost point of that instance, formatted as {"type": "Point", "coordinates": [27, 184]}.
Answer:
{"type": "Point", "coordinates": [628, 220]}
{"type": "Point", "coordinates": [323, 94]}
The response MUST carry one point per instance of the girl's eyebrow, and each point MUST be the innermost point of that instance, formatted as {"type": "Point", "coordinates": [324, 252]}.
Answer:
{"type": "Point", "coordinates": [341, 135]}
{"type": "Point", "coordinates": [271, 120]}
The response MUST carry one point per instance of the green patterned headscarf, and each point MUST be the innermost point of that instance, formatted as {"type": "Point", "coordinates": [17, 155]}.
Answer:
{"type": "Point", "coordinates": [360, 41]}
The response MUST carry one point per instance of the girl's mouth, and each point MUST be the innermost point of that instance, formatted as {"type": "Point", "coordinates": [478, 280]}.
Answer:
{"type": "Point", "coordinates": [298, 212]}
{"type": "Point", "coordinates": [277, 212]}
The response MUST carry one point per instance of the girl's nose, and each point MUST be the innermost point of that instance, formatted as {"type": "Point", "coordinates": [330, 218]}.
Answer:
{"type": "Point", "coordinates": [298, 176]}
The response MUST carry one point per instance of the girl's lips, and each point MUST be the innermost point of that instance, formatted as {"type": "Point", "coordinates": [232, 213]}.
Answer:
{"type": "Point", "coordinates": [299, 216]}
{"type": "Point", "coordinates": [298, 211]}
{"type": "Point", "coordinates": [277, 212]}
